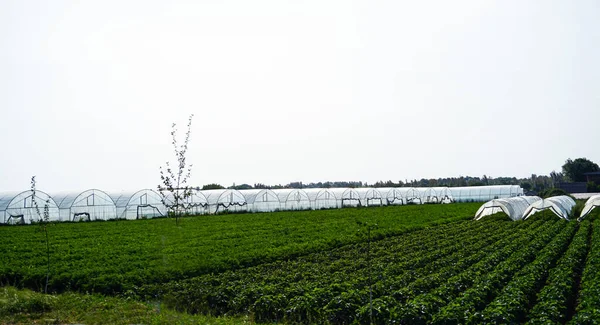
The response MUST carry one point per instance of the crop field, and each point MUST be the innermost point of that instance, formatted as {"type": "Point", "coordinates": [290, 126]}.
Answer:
{"type": "Point", "coordinates": [428, 264]}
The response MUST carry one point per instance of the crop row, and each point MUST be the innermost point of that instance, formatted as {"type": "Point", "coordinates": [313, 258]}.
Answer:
{"type": "Point", "coordinates": [587, 310]}
{"type": "Point", "coordinates": [112, 257]}
{"type": "Point", "coordinates": [334, 286]}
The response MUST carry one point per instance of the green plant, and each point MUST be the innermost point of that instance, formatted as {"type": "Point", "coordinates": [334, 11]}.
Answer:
{"type": "Point", "coordinates": [44, 220]}
{"type": "Point", "coordinates": [174, 180]}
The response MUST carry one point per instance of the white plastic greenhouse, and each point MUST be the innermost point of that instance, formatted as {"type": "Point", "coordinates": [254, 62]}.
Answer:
{"type": "Point", "coordinates": [369, 196]}
{"type": "Point", "coordinates": [346, 197]}
{"type": "Point", "coordinates": [88, 205]}
{"type": "Point", "coordinates": [443, 195]}
{"type": "Point", "coordinates": [293, 199]}
{"type": "Point", "coordinates": [225, 200]}
{"type": "Point", "coordinates": [590, 204]}
{"type": "Point", "coordinates": [321, 198]}
{"type": "Point", "coordinates": [391, 195]}
{"type": "Point", "coordinates": [261, 200]}
{"type": "Point", "coordinates": [559, 205]}
{"type": "Point", "coordinates": [410, 195]}
{"type": "Point", "coordinates": [514, 207]}
{"type": "Point", "coordinates": [195, 204]}
{"type": "Point", "coordinates": [139, 205]}
{"type": "Point", "coordinates": [427, 194]}
{"type": "Point", "coordinates": [484, 193]}
{"type": "Point", "coordinates": [18, 207]}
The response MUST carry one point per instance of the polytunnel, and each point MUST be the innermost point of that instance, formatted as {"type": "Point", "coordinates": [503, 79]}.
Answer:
{"type": "Point", "coordinates": [590, 204]}
{"type": "Point", "coordinates": [346, 197]}
{"type": "Point", "coordinates": [19, 208]}
{"type": "Point", "coordinates": [514, 207]}
{"type": "Point", "coordinates": [225, 200]}
{"type": "Point", "coordinates": [369, 196]}
{"type": "Point", "coordinates": [261, 200]}
{"type": "Point", "coordinates": [195, 204]}
{"type": "Point", "coordinates": [427, 194]}
{"type": "Point", "coordinates": [559, 205]}
{"type": "Point", "coordinates": [321, 198]}
{"type": "Point", "coordinates": [410, 195]}
{"type": "Point", "coordinates": [88, 205]}
{"type": "Point", "coordinates": [293, 199]}
{"type": "Point", "coordinates": [443, 194]}
{"type": "Point", "coordinates": [139, 205]}
{"type": "Point", "coordinates": [391, 195]}
{"type": "Point", "coordinates": [484, 193]}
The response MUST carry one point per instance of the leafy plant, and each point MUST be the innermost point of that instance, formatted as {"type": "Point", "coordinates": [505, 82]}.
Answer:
{"type": "Point", "coordinates": [43, 222]}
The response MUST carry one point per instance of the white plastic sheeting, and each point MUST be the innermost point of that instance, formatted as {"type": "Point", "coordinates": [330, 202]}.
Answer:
{"type": "Point", "coordinates": [484, 193]}
{"type": "Point", "coordinates": [559, 205]}
{"type": "Point", "coordinates": [225, 200]}
{"type": "Point", "coordinates": [410, 195]}
{"type": "Point", "coordinates": [346, 197]}
{"type": "Point", "coordinates": [18, 207]}
{"type": "Point", "coordinates": [321, 198]}
{"type": "Point", "coordinates": [261, 200]}
{"type": "Point", "coordinates": [194, 204]}
{"type": "Point", "coordinates": [391, 195]}
{"type": "Point", "coordinates": [514, 207]}
{"type": "Point", "coordinates": [369, 196]}
{"type": "Point", "coordinates": [590, 204]}
{"type": "Point", "coordinates": [88, 205]}
{"type": "Point", "coordinates": [139, 205]}
{"type": "Point", "coordinates": [293, 199]}
{"type": "Point", "coordinates": [443, 195]}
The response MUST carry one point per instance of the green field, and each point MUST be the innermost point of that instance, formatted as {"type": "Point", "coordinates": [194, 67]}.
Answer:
{"type": "Point", "coordinates": [426, 264]}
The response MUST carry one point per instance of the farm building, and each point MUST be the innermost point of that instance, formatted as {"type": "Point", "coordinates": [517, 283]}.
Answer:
{"type": "Point", "coordinates": [293, 199]}
{"type": "Point", "coordinates": [261, 200]}
{"type": "Point", "coordinates": [139, 205]}
{"type": "Point", "coordinates": [88, 205]}
{"type": "Point", "coordinates": [225, 200]}
{"type": "Point", "coordinates": [346, 197]}
{"type": "Point", "coordinates": [514, 207]}
{"type": "Point", "coordinates": [19, 207]}
{"type": "Point", "coordinates": [559, 205]}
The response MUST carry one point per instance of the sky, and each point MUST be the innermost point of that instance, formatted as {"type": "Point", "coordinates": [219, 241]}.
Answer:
{"type": "Point", "coordinates": [285, 91]}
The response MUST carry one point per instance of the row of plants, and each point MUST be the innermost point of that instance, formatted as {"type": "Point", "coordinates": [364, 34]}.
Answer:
{"type": "Point", "coordinates": [113, 257]}
{"type": "Point", "coordinates": [334, 286]}
{"type": "Point", "coordinates": [587, 311]}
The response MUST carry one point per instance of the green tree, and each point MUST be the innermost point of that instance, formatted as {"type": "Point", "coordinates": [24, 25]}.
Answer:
{"type": "Point", "coordinates": [574, 170]}
{"type": "Point", "coordinates": [213, 186]}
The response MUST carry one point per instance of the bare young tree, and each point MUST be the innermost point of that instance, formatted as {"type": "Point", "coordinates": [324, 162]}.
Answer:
{"type": "Point", "coordinates": [43, 220]}
{"type": "Point", "coordinates": [173, 189]}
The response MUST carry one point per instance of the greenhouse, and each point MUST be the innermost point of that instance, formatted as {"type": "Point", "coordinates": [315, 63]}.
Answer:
{"type": "Point", "coordinates": [321, 198]}
{"type": "Point", "coordinates": [513, 207]}
{"type": "Point", "coordinates": [369, 196]}
{"type": "Point", "coordinates": [484, 193]}
{"type": "Point", "coordinates": [427, 194]}
{"type": "Point", "coordinates": [410, 195]}
{"type": "Point", "coordinates": [391, 195]}
{"type": "Point", "coordinates": [88, 205]}
{"type": "Point", "coordinates": [261, 200]}
{"type": "Point", "coordinates": [139, 205]}
{"type": "Point", "coordinates": [443, 194]}
{"type": "Point", "coordinates": [293, 199]}
{"type": "Point", "coordinates": [346, 197]}
{"type": "Point", "coordinates": [225, 200]}
{"type": "Point", "coordinates": [19, 208]}
{"type": "Point", "coordinates": [590, 204]}
{"type": "Point", "coordinates": [194, 204]}
{"type": "Point", "coordinates": [559, 205]}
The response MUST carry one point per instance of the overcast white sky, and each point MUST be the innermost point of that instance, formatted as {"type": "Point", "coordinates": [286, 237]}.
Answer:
{"type": "Point", "coordinates": [288, 91]}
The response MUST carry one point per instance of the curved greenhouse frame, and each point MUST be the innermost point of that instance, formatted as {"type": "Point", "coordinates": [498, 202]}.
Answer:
{"type": "Point", "coordinates": [321, 198]}
{"type": "Point", "coordinates": [346, 197]}
{"type": "Point", "coordinates": [293, 199]}
{"type": "Point", "coordinates": [391, 195]}
{"type": "Point", "coordinates": [195, 204]}
{"type": "Point", "coordinates": [369, 196]}
{"type": "Point", "coordinates": [142, 204]}
{"type": "Point", "coordinates": [443, 194]}
{"type": "Point", "coordinates": [88, 205]}
{"type": "Point", "coordinates": [427, 194]}
{"type": "Point", "coordinates": [261, 200]}
{"type": "Point", "coordinates": [18, 208]}
{"type": "Point", "coordinates": [513, 207]}
{"type": "Point", "coordinates": [590, 204]}
{"type": "Point", "coordinates": [559, 205]}
{"type": "Point", "coordinates": [410, 195]}
{"type": "Point", "coordinates": [225, 200]}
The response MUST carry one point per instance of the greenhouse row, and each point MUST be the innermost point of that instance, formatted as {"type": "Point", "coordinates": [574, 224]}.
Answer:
{"type": "Point", "coordinates": [523, 207]}
{"type": "Point", "coordinates": [95, 204]}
